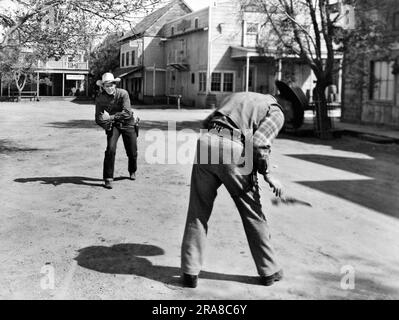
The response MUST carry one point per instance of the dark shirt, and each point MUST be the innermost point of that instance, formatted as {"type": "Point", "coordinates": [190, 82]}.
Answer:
{"type": "Point", "coordinates": [117, 105]}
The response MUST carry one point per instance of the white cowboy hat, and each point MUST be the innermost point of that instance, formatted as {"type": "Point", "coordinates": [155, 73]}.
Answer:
{"type": "Point", "coordinates": [107, 78]}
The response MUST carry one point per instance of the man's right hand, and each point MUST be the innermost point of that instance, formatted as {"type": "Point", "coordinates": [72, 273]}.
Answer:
{"type": "Point", "coordinates": [275, 185]}
{"type": "Point", "coordinates": [105, 116]}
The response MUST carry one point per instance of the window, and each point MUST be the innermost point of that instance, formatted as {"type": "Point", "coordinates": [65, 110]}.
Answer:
{"type": "Point", "coordinates": [202, 81]}
{"type": "Point", "coordinates": [382, 81]}
{"type": "Point", "coordinates": [193, 78]}
{"type": "Point", "coordinates": [252, 28]}
{"type": "Point", "coordinates": [216, 83]}
{"type": "Point", "coordinates": [173, 31]}
{"type": "Point", "coordinates": [133, 58]}
{"type": "Point", "coordinates": [396, 21]}
{"type": "Point", "coordinates": [127, 59]}
{"type": "Point", "coordinates": [196, 23]}
{"type": "Point", "coordinates": [123, 59]}
{"type": "Point", "coordinates": [228, 82]}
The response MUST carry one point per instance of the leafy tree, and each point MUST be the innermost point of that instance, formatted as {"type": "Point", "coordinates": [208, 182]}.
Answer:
{"type": "Point", "coordinates": [312, 31]}
{"type": "Point", "coordinates": [53, 28]}
{"type": "Point", "coordinates": [17, 67]}
{"type": "Point", "coordinates": [105, 57]}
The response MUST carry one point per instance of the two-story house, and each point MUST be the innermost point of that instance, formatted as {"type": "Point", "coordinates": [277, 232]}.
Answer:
{"type": "Point", "coordinates": [142, 54]}
{"type": "Point", "coordinates": [371, 84]}
{"type": "Point", "coordinates": [204, 56]}
{"type": "Point", "coordinates": [67, 76]}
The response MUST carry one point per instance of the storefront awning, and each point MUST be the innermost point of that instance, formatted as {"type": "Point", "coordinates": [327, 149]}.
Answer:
{"type": "Point", "coordinates": [121, 73]}
{"type": "Point", "coordinates": [246, 52]}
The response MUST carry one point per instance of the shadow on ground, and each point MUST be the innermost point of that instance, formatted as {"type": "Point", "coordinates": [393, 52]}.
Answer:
{"type": "Point", "coordinates": [129, 259]}
{"type": "Point", "coordinates": [378, 193]}
{"type": "Point", "coordinates": [8, 146]}
{"type": "Point", "coordinates": [366, 287]}
{"type": "Point", "coordinates": [144, 125]}
{"type": "Point", "coordinates": [379, 188]}
{"type": "Point", "coordinates": [57, 181]}
{"type": "Point", "coordinates": [74, 124]}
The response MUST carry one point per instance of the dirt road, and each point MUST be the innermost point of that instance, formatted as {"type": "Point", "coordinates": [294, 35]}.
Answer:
{"type": "Point", "coordinates": [125, 243]}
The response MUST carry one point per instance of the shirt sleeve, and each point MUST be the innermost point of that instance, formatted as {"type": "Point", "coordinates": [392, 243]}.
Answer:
{"type": "Point", "coordinates": [262, 139]}
{"type": "Point", "coordinates": [127, 112]}
{"type": "Point", "coordinates": [99, 110]}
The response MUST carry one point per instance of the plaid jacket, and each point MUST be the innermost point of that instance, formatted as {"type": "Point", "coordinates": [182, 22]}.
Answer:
{"type": "Point", "coordinates": [264, 136]}
{"type": "Point", "coordinates": [257, 113]}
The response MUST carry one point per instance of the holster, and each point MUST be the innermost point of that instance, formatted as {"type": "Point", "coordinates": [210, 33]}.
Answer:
{"type": "Point", "coordinates": [137, 126]}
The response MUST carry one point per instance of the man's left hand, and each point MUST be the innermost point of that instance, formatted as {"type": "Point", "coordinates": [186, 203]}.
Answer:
{"type": "Point", "coordinates": [105, 116]}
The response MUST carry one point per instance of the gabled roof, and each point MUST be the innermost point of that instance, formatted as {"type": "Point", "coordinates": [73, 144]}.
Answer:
{"type": "Point", "coordinates": [140, 28]}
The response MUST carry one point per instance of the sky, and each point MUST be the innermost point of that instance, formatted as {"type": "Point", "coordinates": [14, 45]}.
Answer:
{"type": "Point", "coordinates": [197, 4]}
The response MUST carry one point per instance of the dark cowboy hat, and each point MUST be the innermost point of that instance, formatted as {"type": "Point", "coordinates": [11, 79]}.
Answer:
{"type": "Point", "coordinates": [299, 103]}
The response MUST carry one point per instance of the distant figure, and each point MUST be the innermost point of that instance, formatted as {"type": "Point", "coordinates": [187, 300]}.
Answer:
{"type": "Point", "coordinates": [73, 91]}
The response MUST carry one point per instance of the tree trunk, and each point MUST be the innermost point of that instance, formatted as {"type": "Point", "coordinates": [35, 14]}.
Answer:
{"type": "Point", "coordinates": [323, 121]}
{"type": "Point", "coordinates": [20, 87]}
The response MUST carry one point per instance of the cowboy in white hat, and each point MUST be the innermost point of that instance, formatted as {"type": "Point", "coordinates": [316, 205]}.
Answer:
{"type": "Point", "coordinates": [115, 115]}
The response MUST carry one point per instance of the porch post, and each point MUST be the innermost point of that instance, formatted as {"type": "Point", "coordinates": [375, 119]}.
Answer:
{"type": "Point", "coordinates": [1, 86]}
{"type": "Point", "coordinates": [339, 96]}
{"type": "Point", "coordinates": [38, 84]}
{"type": "Point", "coordinates": [247, 76]}
{"type": "Point", "coordinates": [279, 69]}
{"type": "Point", "coordinates": [87, 85]}
{"type": "Point", "coordinates": [63, 84]}
{"type": "Point", "coordinates": [153, 81]}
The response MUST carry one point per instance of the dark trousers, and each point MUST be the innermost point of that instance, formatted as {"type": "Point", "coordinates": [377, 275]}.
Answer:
{"type": "Point", "coordinates": [130, 142]}
{"type": "Point", "coordinates": [205, 181]}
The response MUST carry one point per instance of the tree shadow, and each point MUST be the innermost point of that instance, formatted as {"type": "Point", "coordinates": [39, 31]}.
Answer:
{"type": "Point", "coordinates": [83, 101]}
{"type": "Point", "coordinates": [56, 181]}
{"type": "Point", "coordinates": [128, 259]}
{"type": "Point", "coordinates": [74, 124]}
{"type": "Point", "coordinates": [144, 125]}
{"type": "Point", "coordinates": [7, 146]}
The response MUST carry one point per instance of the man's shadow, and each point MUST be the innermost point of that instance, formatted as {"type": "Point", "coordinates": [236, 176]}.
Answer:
{"type": "Point", "coordinates": [128, 259]}
{"type": "Point", "coordinates": [56, 181]}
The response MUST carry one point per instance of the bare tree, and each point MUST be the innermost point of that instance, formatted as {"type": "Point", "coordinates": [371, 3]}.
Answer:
{"type": "Point", "coordinates": [311, 30]}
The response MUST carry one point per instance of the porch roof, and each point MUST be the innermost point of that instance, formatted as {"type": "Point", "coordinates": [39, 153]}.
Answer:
{"type": "Point", "coordinates": [250, 52]}
{"type": "Point", "coordinates": [120, 73]}
{"type": "Point", "coordinates": [245, 52]}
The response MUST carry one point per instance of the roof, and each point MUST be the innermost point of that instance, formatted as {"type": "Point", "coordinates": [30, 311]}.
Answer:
{"type": "Point", "coordinates": [151, 19]}
{"type": "Point", "coordinates": [123, 72]}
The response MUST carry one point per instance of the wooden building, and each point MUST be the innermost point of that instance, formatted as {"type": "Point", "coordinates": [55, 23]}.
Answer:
{"type": "Point", "coordinates": [203, 56]}
{"type": "Point", "coordinates": [371, 85]}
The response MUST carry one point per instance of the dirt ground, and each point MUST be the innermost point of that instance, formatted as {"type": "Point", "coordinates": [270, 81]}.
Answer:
{"type": "Point", "coordinates": [125, 243]}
